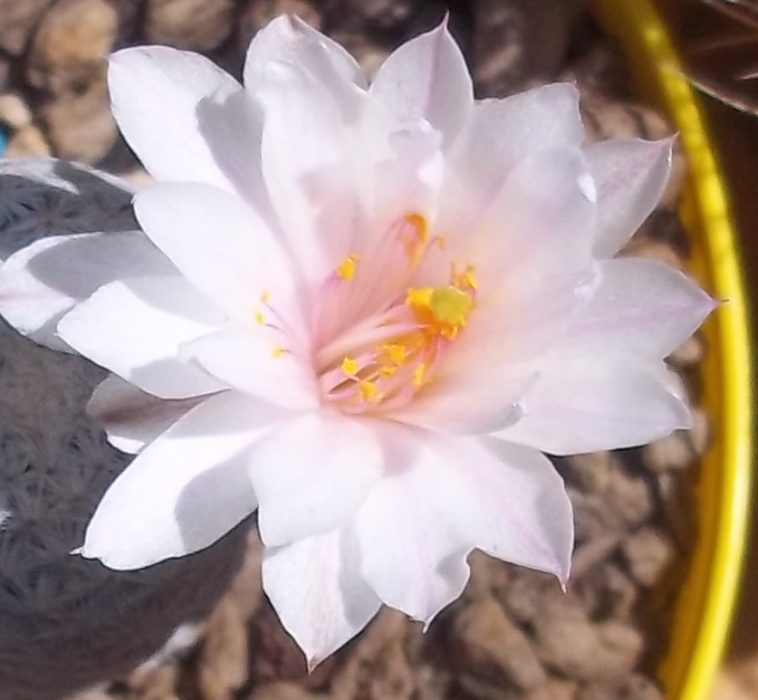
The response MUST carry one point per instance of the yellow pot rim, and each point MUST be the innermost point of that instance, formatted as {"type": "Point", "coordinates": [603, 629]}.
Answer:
{"type": "Point", "coordinates": [705, 606]}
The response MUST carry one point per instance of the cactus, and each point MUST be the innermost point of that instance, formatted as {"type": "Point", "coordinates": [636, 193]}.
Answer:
{"type": "Point", "coordinates": [66, 622]}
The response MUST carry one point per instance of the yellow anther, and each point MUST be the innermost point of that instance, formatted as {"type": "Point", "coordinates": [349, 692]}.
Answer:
{"type": "Point", "coordinates": [441, 241]}
{"type": "Point", "coordinates": [349, 366]}
{"type": "Point", "coordinates": [367, 391]}
{"type": "Point", "coordinates": [346, 269]}
{"type": "Point", "coordinates": [418, 236]}
{"type": "Point", "coordinates": [396, 354]}
{"type": "Point", "coordinates": [259, 318]}
{"type": "Point", "coordinates": [418, 374]}
{"type": "Point", "coordinates": [278, 351]}
{"type": "Point", "coordinates": [464, 279]}
{"type": "Point", "coordinates": [450, 305]}
{"type": "Point", "coordinates": [419, 297]}
{"type": "Point", "coordinates": [265, 297]}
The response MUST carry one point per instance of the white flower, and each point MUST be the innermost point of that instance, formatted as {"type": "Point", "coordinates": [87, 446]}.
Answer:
{"type": "Point", "coordinates": [365, 311]}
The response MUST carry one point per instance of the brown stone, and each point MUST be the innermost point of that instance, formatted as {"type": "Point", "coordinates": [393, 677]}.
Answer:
{"type": "Point", "coordinates": [14, 112]}
{"type": "Point", "coordinates": [197, 25]}
{"type": "Point", "coordinates": [29, 141]}
{"type": "Point", "coordinates": [647, 552]}
{"type": "Point", "coordinates": [80, 127]}
{"type": "Point", "coordinates": [488, 646]}
{"type": "Point", "coordinates": [70, 45]}
{"type": "Point", "coordinates": [570, 643]}
{"type": "Point", "coordinates": [281, 691]}
{"type": "Point", "coordinates": [223, 667]}
{"type": "Point", "coordinates": [554, 689]}
{"type": "Point", "coordinates": [17, 21]}
{"type": "Point", "coordinates": [518, 43]}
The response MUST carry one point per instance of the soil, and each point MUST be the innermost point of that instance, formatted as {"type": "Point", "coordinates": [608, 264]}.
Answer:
{"type": "Point", "coordinates": [513, 634]}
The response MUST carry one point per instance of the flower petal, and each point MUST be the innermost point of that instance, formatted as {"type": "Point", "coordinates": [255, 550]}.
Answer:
{"type": "Point", "coordinates": [134, 328]}
{"type": "Point", "coordinates": [185, 490]}
{"type": "Point", "coordinates": [311, 475]}
{"type": "Point", "coordinates": [317, 159]}
{"type": "Point", "coordinates": [630, 176]}
{"type": "Point", "coordinates": [155, 93]}
{"type": "Point", "coordinates": [487, 150]}
{"type": "Point", "coordinates": [131, 417]}
{"type": "Point", "coordinates": [252, 363]}
{"type": "Point", "coordinates": [585, 402]}
{"type": "Point", "coordinates": [641, 307]}
{"type": "Point", "coordinates": [289, 40]}
{"type": "Point", "coordinates": [448, 494]}
{"type": "Point", "coordinates": [316, 589]}
{"type": "Point", "coordinates": [220, 245]}
{"type": "Point", "coordinates": [427, 78]}
{"type": "Point", "coordinates": [513, 504]}
{"type": "Point", "coordinates": [411, 553]}
{"type": "Point", "coordinates": [43, 281]}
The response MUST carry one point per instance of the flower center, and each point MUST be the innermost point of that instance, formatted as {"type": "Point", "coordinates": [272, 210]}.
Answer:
{"type": "Point", "coordinates": [383, 361]}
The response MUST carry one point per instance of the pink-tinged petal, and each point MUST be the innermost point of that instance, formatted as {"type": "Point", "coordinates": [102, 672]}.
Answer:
{"type": "Point", "coordinates": [504, 499]}
{"type": "Point", "coordinates": [513, 504]}
{"type": "Point", "coordinates": [412, 554]}
{"type": "Point", "coordinates": [155, 93]}
{"type": "Point", "coordinates": [427, 78]}
{"type": "Point", "coordinates": [447, 495]}
{"type": "Point", "coordinates": [255, 364]}
{"type": "Point", "coordinates": [488, 149]}
{"type": "Point", "coordinates": [311, 475]}
{"type": "Point", "coordinates": [316, 163]}
{"type": "Point", "coordinates": [540, 224]}
{"type": "Point", "coordinates": [585, 402]}
{"type": "Point", "coordinates": [642, 307]}
{"type": "Point", "coordinates": [630, 175]}
{"type": "Point", "coordinates": [316, 589]}
{"type": "Point", "coordinates": [131, 418]}
{"type": "Point", "coordinates": [289, 40]}
{"type": "Point", "coordinates": [185, 490]}
{"type": "Point", "coordinates": [43, 281]}
{"type": "Point", "coordinates": [221, 246]}
{"type": "Point", "coordinates": [135, 327]}
{"type": "Point", "coordinates": [469, 401]}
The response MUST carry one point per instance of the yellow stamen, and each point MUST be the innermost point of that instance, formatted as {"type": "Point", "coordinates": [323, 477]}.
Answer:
{"type": "Point", "coordinates": [264, 297]}
{"type": "Point", "coordinates": [395, 353]}
{"type": "Point", "coordinates": [418, 374]}
{"type": "Point", "coordinates": [419, 298]}
{"type": "Point", "coordinates": [349, 365]}
{"type": "Point", "coordinates": [278, 351]}
{"type": "Point", "coordinates": [464, 279]}
{"type": "Point", "coordinates": [259, 318]}
{"type": "Point", "coordinates": [367, 391]}
{"type": "Point", "coordinates": [417, 238]}
{"type": "Point", "coordinates": [346, 269]}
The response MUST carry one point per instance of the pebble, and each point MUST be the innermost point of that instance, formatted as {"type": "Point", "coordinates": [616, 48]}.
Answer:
{"type": "Point", "coordinates": [647, 552]}
{"type": "Point", "coordinates": [518, 43]}
{"type": "Point", "coordinates": [14, 112]}
{"type": "Point", "coordinates": [570, 643]}
{"type": "Point", "coordinates": [70, 44]}
{"type": "Point", "coordinates": [196, 25]}
{"type": "Point", "coordinates": [490, 647]}
{"type": "Point", "coordinates": [19, 18]}
{"type": "Point", "coordinates": [80, 126]}
{"type": "Point", "coordinates": [29, 141]}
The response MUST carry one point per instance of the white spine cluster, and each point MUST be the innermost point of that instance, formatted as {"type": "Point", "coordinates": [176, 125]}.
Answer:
{"type": "Point", "coordinates": [66, 622]}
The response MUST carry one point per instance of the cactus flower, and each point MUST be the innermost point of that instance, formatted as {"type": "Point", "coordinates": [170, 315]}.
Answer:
{"type": "Point", "coordinates": [365, 310]}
